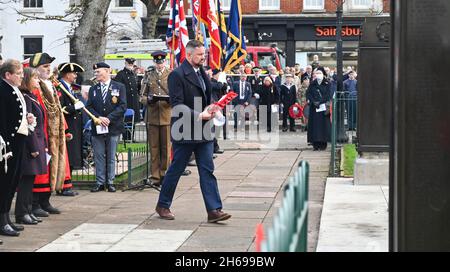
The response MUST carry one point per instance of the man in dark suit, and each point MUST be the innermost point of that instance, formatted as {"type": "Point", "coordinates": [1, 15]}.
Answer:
{"type": "Point", "coordinates": [13, 130]}
{"type": "Point", "coordinates": [191, 131]}
{"type": "Point", "coordinates": [244, 91]}
{"type": "Point", "coordinates": [108, 102]}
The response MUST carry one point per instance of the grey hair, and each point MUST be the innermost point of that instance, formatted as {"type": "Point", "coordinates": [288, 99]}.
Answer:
{"type": "Point", "coordinates": [10, 66]}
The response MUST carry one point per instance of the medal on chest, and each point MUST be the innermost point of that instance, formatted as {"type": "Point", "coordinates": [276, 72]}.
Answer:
{"type": "Point", "coordinates": [115, 94]}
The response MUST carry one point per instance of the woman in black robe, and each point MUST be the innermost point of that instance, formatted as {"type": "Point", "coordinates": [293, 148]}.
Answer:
{"type": "Point", "coordinates": [319, 123]}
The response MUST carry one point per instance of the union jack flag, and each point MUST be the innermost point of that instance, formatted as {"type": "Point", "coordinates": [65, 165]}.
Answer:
{"type": "Point", "coordinates": [177, 35]}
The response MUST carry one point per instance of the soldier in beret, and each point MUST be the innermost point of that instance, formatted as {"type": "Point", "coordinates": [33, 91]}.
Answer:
{"type": "Point", "coordinates": [157, 116]}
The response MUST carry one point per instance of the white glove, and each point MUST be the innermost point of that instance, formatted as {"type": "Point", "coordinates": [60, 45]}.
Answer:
{"type": "Point", "coordinates": [79, 105]}
{"type": "Point", "coordinates": [32, 123]}
{"type": "Point", "coordinates": [257, 96]}
{"type": "Point", "coordinates": [222, 77]}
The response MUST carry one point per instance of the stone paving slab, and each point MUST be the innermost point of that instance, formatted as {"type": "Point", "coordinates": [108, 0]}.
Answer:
{"type": "Point", "coordinates": [152, 241]}
{"type": "Point", "coordinates": [252, 194]}
{"type": "Point", "coordinates": [354, 218]}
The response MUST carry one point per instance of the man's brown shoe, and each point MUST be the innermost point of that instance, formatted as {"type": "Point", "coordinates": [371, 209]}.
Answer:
{"type": "Point", "coordinates": [217, 215]}
{"type": "Point", "coordinates": [165, 213]}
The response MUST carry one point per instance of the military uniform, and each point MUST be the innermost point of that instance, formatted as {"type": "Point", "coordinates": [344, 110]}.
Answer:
{"type": "Point", "coordinates": [158, 117]}
{"type": "Point", "coordinates": [128, 78]}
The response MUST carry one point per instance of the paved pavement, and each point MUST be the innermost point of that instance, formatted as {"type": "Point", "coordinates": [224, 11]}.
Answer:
{"type": "Point", "coordinates": [354, 218]}
{"type": "Point", "coordinates": [251, 179]}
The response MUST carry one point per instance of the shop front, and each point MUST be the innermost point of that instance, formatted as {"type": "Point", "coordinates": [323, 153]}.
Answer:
{"type": "Point", "coordinates": [301, 38]}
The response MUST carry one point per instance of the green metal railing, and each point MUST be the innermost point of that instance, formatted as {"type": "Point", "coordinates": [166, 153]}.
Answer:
{"type": "Point", "coordinates": [289, 230]}
{"type": "Point", "coordinates": [130, 168]}
{"type": "Point", "coordinates": [348, 106]}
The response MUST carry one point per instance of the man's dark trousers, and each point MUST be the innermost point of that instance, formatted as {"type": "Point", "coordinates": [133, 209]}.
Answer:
{"type": "Point", "coordinates": [204, 157]}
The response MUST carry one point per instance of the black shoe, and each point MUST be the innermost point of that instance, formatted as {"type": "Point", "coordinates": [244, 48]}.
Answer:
{"type": "Point", "coordinates": [7, 230]}
{"type": "Point", "coordinates": [37, 219]}
{"type": "Point", "coordinates": [51, 210]}
{"type": "Point", "coordinates": [25, 220]}
{"type": "Point", "coordinates": [284, 129]}
{"type": "Point", "coordinates": [111, 189]}
{"type": "Point", "coordinates": [218, 151]}
{"type": "Point", "coordinates": [98, 188]}
{"type": "Point", "coordinates": [40, 212]}
{"type": "Point", "coordinates": [15, 227]}
{"type": "Point", "coordinates": [292, 130]}
{"type": "Point", "coordinates": [67, 192]}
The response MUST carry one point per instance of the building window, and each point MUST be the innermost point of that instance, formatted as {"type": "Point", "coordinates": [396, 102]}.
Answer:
{"type": "Point", "coordinates": [361, 4]}
{"type": "Point", "coordinates": [32, 3]}
{"type": "Point", "coordinates": [269, 4]}
{"type": "Point", "coordinates": [31, 46]}
{"type": "Point", "coordinates": [124, 3]}
{"type": "Point", "coordinates": [313, 5]}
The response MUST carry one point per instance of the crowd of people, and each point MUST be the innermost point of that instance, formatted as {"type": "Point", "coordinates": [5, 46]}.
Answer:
{"type": "Point", "coordinates": [44, 114]}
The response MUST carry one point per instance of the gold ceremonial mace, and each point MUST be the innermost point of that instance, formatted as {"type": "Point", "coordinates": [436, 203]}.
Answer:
{"type": "Point", "coordinates": [57, 83]}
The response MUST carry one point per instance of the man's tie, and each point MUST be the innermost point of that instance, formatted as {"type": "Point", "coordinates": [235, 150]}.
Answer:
{"type": "Point", "coordinates": [104, 92]}
{"type": "Point", "coordinates": [202, 82]}
{"type": "Point", "coordinates": [242, 95]}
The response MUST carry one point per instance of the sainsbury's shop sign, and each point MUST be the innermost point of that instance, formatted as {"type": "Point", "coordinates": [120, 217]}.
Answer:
{"type": "Point", "coordinates": [330, 31]}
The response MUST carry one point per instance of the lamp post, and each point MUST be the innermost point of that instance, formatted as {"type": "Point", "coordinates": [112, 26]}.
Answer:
{"type": "Point", "coordinates": [341, 136]}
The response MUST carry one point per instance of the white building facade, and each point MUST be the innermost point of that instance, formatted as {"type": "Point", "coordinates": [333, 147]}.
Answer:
{"type": "Point", "coordinates": [21, 40]}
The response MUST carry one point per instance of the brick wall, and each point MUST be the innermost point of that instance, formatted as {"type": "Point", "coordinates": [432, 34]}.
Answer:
{"type": "Point", "coordinates": [386, 5]}
{"type": "Point", "coordinates": [291, 7]}
{"type": "Point", "coordinates": [250, 6]}
{"type": "Point", "coordinates": [295, 6]}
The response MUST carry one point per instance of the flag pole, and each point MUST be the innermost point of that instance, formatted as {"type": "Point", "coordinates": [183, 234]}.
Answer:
{"type": "Point", "coordinates": [219, 17]}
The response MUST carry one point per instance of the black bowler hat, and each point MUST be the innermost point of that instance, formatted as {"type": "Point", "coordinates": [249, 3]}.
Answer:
{"type": "Point", "coordinates": [39, 59]}
{"type": "Point", "coordinates": [101, 65]}
{"type": "Point", "coordinates": [215, 71]}
{"type": "Point", "coordinates": [130, 60]}
{"type": "Point", "coordinates": [159, 56]}
{"type": "Point", "coordinates": [64, 68]}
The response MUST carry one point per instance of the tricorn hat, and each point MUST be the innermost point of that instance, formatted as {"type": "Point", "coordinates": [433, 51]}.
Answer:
{"type": "Point", "coordinates": [66, 67]}
{"type": "Point", "coordinates": [39, 59]}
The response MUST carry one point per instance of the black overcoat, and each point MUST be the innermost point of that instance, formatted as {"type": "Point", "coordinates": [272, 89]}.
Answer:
{"type": "Point", "coordinates": [74, 119]}
{"type": "Point", "coordinates": [130, 80]}
{"type": "Point", "coordinates": [35, 141]}
{"type": "Point", "coordinates": [319, 123]}
{"type": "Point", "coordinates": [184, 90]}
